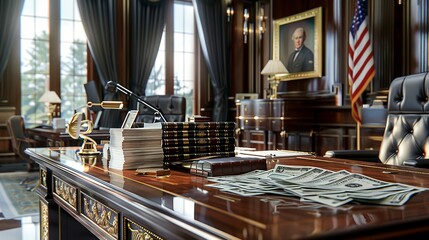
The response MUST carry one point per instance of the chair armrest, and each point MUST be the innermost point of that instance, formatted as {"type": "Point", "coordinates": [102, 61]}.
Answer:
{"type": "Point", "coordinates": [422, 163]}
{"type": "Point", "coordinates": [361, 155]}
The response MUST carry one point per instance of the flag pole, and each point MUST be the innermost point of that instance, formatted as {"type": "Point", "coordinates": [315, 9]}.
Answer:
{"type": "Point", "coordinates": [358, 136]}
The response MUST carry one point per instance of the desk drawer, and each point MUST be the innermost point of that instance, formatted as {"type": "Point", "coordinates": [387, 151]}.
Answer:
{"type": "Point", "coordinates": [100, 215]}
{"type": "Point", "coordinates": [133, 230]}
{"type": "Point", "coordinates": [65, 192]}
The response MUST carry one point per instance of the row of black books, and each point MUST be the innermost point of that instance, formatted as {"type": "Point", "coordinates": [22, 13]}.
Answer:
{"type": "Point", "coordinates": [182, 141]}
{"type": "Point", "coordinates": [165, 144]}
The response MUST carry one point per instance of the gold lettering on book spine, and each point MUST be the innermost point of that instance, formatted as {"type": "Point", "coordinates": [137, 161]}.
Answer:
{"type": "Point", "coordinates": [44, 221]}
{"type": "Point", "coordinates": [140, 233]}
{"type": "Point", "coordinates": [65, 192]}
{"type": "Point", "coordinates": [101, 215]}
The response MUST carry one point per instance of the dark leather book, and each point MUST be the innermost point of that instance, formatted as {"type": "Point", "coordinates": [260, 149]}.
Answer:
{"type": "Point", "coordinates": [166, 134]}
{"type": "Point", "coordinates": [198, 125]}
{"type": "Point", "coordinates": [187, 156]}
{"type": "Point", "coordinates": [199, 148]}
{"type": "Point", "coordinates": [169, 142]}
{"type": "Point", "coordinates": [227, 166]}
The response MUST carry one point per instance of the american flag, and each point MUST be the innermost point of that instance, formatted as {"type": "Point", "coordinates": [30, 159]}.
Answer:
{"type": "Point", "coordinates": [361, 59]}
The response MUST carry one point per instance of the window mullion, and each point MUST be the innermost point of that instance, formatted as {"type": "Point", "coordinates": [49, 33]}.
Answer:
{"type": "Point", "coordinates": [169, 49]}
{"type": "Point", "coordinates": [54, 46]}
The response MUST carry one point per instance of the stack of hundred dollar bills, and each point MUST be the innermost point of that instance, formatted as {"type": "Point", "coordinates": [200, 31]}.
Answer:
{"type": "Point", "coordinates": [316, 185]}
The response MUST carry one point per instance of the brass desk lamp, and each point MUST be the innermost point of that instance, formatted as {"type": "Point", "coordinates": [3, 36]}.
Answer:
{"type": "Point", "coordinates": [52, 99]}
{"type": "Point", "coordinates": [273, 69]}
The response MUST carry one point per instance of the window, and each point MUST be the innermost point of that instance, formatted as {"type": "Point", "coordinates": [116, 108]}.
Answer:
{"type": "Point", "coordinates": [184, 52]}
{"type": "Point", "coordinates": [184, 58]}
{"type": "Point", "coordinates": [34, 58]}
{"type": "Point", "coordinates": [36, 75]}
{"type": "Point", "coordinates": [73, 59]}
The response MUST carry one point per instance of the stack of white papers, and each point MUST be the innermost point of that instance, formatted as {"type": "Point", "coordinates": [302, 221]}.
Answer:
{"type": "Point", "coordinates": [135, 148]}
{"type": "Point", "coordinates": [319, 185]}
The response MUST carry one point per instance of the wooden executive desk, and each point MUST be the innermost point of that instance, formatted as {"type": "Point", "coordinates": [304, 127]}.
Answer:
{"type": "Point", "coordinates": [83, 199]}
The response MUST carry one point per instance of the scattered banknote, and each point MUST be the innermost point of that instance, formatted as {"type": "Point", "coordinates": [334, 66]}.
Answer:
{"type": "Point", "coordinates": [312, 184]}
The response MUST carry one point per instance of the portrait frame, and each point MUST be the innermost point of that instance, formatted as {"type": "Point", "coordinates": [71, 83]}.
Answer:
{"type": "Point", "coordinates": [283, 45]}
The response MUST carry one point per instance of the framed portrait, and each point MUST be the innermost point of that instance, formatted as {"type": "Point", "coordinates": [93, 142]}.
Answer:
{"type": "Point", "coordinates": [297, 42]}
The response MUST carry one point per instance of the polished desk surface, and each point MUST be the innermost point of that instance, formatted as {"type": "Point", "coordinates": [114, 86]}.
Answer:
{"type": "Point", "coordinates": [263, 217]}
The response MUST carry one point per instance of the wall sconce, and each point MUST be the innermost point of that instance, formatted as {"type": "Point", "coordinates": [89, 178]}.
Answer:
{"type": "Point", "coordinates": [261, 23]}
{"type": "Point", "coordinates": [245, 24]}
{"type": "Point", "coordinates": [229, 12]}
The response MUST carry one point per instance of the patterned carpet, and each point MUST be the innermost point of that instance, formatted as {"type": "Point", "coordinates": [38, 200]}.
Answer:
{"type": "Point", "coordinates": [15, 198]}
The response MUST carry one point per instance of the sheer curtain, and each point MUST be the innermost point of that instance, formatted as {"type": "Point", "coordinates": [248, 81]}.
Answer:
{"type": "Point", "coordinates": [212, 30]}
{"type": "Point", "coordinates": [10, 12]}
{"type": "Point", "coordinates": [99, 22]}
{"type": "Point", "coordinates": [147, 19]}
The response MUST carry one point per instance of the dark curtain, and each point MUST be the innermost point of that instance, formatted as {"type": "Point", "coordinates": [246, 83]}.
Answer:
{"type": "Point", "coordinates": [147, 19]}
{"type": "Point", "coordinates": [10, 12]}
{"type": "Point", "coordinates": [99, 22]}
{"type": "Point", "coordinates": [212, 31]}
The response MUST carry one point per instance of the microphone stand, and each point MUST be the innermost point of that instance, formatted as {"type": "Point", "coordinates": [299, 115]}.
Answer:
{"type": "Point", "coordinates": [136, 97]}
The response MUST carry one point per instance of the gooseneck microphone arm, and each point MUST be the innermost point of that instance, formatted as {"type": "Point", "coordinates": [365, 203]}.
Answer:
{"type": "Point", "coordinates": [136, 97]}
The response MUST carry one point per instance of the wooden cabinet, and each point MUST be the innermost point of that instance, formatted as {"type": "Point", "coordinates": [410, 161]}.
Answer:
{"type": "Point", "coordinates": [261, 124]}
{"type": "Point", "coordinates": [309, 123]}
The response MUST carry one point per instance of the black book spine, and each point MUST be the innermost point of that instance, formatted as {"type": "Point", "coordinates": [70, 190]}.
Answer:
{"type": "Point", "coordinates": [188, 156]}
{"type": "Point", "coordinates": [196, 133]}
{"type": "Point", "coordinates": [199, 149]}
{"type": "Point", "coordinates": [170, 142]}
{"type": "Point", "coordinates": [168, 126]}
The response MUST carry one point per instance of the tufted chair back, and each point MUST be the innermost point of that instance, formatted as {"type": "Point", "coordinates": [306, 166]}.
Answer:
{"type": "Point", "coordinates": [407, 128]}
{"type": "Point", "coordinates": [173, 108]}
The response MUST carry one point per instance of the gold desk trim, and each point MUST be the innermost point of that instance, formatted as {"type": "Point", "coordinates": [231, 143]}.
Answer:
{"type": "Point", "coordinates": [44, 221]}
{"type": "Point", "coordinates": [66, 192]}
{"type": "Point", "coordinates": [102, 216]}
{"type": "Point", "coordinates": [138, 232]}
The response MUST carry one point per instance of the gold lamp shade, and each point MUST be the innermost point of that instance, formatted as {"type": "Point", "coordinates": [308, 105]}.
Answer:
{"type": "Point", "coordinates": [107, 104]}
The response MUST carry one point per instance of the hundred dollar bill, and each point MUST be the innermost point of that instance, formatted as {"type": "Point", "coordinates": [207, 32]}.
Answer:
{"type": "Point", "coordinates": [325, 179]}
{"type": "Point", "coordinates": [354, 182]}
{"type": "Point", "coordinates": [310, 175]}
{"type": "Point", "coordinates": [398, 199]}
{"type": "Point", "coordinates": [327, 201]}
{"type": "Point", "coordinates": [285, 172]}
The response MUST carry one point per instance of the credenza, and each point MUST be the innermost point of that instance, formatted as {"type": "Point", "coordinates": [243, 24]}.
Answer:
{"type": "Point", "coordinates": [304, 123]}
{"type": "Point", "coordinates": [81, 198]}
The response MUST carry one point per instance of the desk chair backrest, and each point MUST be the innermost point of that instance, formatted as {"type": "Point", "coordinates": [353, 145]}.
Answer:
{"type": "Point", "coordinates": [16, 128]}
{"type": "Point", "coordinates": [406, 135]}
{"type": "Point", "coordinates": [173, 108]}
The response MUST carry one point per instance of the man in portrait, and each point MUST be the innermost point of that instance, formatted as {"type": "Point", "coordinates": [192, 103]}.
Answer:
{"type": "Point", "coordinates": [302, 59]}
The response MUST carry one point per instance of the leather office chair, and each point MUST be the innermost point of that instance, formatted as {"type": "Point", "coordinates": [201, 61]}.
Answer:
{"type": "Point", "coordinates": [173, 108]}
{"type": "Point", "coordinates": [406, 136]}
{"type": "Point", "coordinates": [20, 142]}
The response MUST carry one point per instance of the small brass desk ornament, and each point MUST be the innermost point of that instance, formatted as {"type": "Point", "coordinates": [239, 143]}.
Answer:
{"type": "Point", "coordinates": [79, 127]}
